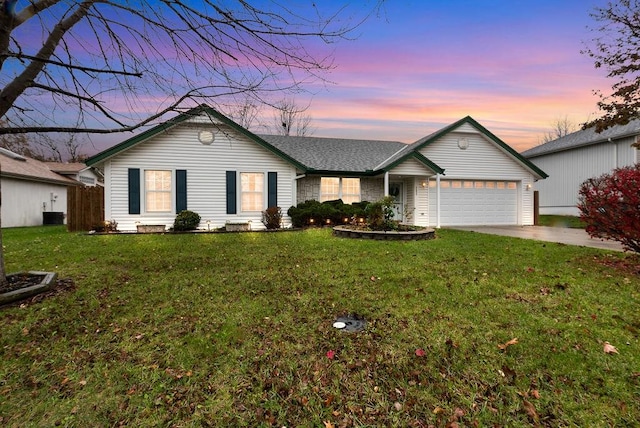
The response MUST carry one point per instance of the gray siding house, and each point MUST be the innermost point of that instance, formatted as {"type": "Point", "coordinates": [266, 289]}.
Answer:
{"type": "Point", "coordinates": [574, 158]}
{"type": "Point", "coordinates": [203, 161]}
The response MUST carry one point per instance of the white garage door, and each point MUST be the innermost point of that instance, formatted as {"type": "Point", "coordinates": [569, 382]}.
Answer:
{"type": "Point", "coordinates": [478, 202]}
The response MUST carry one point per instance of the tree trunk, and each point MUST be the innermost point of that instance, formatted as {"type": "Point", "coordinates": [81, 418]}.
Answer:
{"type": "Point", "coordinates": [3, 275]}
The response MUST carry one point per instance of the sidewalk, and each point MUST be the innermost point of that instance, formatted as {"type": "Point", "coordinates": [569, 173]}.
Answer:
{"type": "Point", "coordinates": [561, 235]}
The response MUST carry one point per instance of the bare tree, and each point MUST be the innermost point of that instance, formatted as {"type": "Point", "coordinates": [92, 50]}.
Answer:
{"type": "Point", "coordinates": [65, 147]}
{"type": "Point", "coordinates": [559, 128]}
{"type": "Point", "coordinates": [291, 119]}
{"type": "Point", "coordinates": [101, 66]}
{"type": "Point", "coordinates": [616, 48]}
{"type": "Point", "coordinates": [245, 113]}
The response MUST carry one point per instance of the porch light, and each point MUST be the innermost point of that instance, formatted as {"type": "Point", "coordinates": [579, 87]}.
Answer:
{"type": "Point", "coordinates": [310, 221]}
{"type": "Point", "coordinates": [206, 137]}
{"type": "Point", "coordinates": [328, 221]}
{"type": "Point", "coordinates": [345, 220]}
{"type": "Point", "coordinates": [423, 184]}
{"type": "Point", "coordinates": [528, 186]}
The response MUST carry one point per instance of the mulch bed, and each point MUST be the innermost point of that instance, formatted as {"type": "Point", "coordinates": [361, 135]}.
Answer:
{"type": "Point", "coordinates": [62, 285]}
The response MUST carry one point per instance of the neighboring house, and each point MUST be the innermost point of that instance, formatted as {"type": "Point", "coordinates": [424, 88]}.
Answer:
{"type": "Point", "coordinates": [77, 171]}
{"type": "Point", "coordinates": [29, 189]}
{"type": "Point", "coordinates": [204, 162]}
{"type": "Point", "coordinates": [574, 158]}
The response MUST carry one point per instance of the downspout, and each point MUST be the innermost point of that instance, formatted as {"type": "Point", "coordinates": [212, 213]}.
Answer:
{"type": "Point", "coordinates": [437, 201]}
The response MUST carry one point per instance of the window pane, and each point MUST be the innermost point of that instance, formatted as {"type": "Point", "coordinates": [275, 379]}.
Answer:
{"type": "Point", "coordinates": [350, 190]}
{"type": "Point", "coordinates": [329, 188]}
{"type": "Point", "coordinates": [512, 185]}
{"type": "Point", "coordinates": [252, 191]}
{"type": "Point", "coordinates": [157, 191]}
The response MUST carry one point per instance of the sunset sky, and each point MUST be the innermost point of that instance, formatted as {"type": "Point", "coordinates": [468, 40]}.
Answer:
{"type": "Point", "coordinates": [514, 66]}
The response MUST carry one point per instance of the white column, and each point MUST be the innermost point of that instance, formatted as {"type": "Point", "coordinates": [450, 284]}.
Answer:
{"type": "Point", "coordinates": [386, 183]}
{"type": "Point", "coordinates": [438, 201]}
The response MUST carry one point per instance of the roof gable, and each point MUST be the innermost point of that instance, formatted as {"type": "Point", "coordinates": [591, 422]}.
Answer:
{"type": "Point", "coordinates": [191, 114]}
{"type": "Point", "coordinates": [430, 139]}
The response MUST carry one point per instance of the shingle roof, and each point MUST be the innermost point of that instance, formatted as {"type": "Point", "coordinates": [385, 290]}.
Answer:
{"type": "Point", "coordinates": [336, 154]}
{"type": "Point", "coordinates": [66, 167]}
{"type": "Point", "coordinates": [584, 137]}
{"type": "Point", "coordinates": [12, 165]}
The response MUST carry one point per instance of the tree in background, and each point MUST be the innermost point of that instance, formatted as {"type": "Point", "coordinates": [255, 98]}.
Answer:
{"type": "Point", "coordinates": [559, 128]}
{"type": "Point", "coordinates": [117, 65]}
{"type": "Point", "coordinates": [291, 119]}
{"type": "Point", "coordinates": [616, 48]}
{"type": "Point", "coordinates": [610, 206]}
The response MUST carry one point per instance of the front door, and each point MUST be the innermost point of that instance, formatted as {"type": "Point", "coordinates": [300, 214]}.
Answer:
{"type": "Point", "coordinates": [396, 189]}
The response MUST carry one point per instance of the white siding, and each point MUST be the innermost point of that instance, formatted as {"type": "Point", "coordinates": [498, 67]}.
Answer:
{"type": "Point", "coordinates": [206, 166]}
{"type": "Point", "coordinates": [24, 201]}
{"type": "Point", "coordinates": [482, 160]}
{"type": "Point", "coordinates": [569, 169]}
{"type": "Point", "coordinates": [411, 167]}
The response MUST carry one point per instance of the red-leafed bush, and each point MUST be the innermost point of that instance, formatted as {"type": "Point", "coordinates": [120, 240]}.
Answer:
{"type": "Point", "coordinates": [610, 206]}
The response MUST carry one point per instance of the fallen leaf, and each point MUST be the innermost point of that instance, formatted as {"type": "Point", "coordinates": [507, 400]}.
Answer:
{"type": "Point", "coordinates": [420, 352]}
{"type": "Point", "coordinates": [83, 382]}
{"type": "Point", "coordinates": [531, 410]}
{"type": "Point", "coordinates": [535, 394]}
{"type": "Point", "coordinates": [373, 278]}
{"type": "Point", "coordinates": [504, 346]}
{"type": "Point", "coordinates": [397, 406]}
{"type": "Point", "coordinates": [331, 354]}
{"type": "Point", "coordinates": [328, 424]}
{"type": "Point", "coordinates": [25, 331]}
{"type": "Point", "coordinates": [609, 348]}
{"type": "Point", "coordinates": [438, 410]}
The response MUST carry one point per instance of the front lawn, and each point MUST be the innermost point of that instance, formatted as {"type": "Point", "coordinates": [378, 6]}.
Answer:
{"type": "Point", "coordinates": [235, 330]}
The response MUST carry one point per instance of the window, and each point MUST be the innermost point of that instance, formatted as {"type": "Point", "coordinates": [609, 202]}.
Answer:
{"type": "Point", "coordinates": [252, 191]}
{"type": "Point", "coordinates": [347, 189]}
{"type": "Point", "coordinates": [157, 185]}
{"type": "Point", "coordinates": [511, 185]}
{"type": "Point", "coordinates": [350, 190]}
{"type": "Point", "coordinates": [479, 184]}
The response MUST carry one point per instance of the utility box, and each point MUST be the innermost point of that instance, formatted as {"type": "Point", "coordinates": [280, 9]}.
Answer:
{"type": "Point", "coordinates": [52, 218]}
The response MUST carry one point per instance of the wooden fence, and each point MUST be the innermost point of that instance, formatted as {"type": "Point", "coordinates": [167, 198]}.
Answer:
{"type": "Point", "coordinates": [85, 207]}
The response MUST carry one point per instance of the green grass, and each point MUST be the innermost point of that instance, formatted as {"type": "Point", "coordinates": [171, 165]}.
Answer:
{"type": "Point", "coordinates": [233, 329]}
{"type": "Point", "coordinates": [561, 221]}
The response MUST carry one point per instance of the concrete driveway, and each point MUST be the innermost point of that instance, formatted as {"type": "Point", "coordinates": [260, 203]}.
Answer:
{"type": "Point", "coordinates": [550, 234]}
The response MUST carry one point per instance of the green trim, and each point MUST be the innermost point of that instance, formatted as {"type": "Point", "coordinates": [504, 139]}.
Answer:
{"type": "Point", "coordinates": [435, 136]}
{"type": "Point", "coordinates": [417, 156]}
{"type": "Point", "coordinates": [197, 111]}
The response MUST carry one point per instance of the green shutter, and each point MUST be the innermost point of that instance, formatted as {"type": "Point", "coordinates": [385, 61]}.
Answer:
{"type": "Point", "coordinates": [181, 190]}
{"type": "Point", "coordinates": [231, 192]}
{"type": "Point", "coordinates": [272, 190]}
{"type": "Point", "coordinates": [134, 191]}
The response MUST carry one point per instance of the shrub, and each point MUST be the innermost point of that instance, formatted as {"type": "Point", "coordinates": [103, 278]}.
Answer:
{"type": "Point", "coordinates": [610, 206]}
{"type": "Point", "coordinates": [108, 226]}
{"type": "Point", "coordinates": [272, 217]}
{"type": "Point", "coordinates": [186, 220]}
{"type": "Point", "coordinates": [335, 211]}
{"type": "Point", "coordinates": [380, 214]}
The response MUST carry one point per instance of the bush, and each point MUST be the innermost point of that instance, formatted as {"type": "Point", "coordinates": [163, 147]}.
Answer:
{"type": "Point", "coordinates": [272, 217]}
{"type": "Point", "coordinates": [313, 212]}
{"type": "Point", "coordinates": [186, 220]}
{"type": "Point", "coordinates": [380, 214]}
{"type": "Point", "coordinates": [610, 206]}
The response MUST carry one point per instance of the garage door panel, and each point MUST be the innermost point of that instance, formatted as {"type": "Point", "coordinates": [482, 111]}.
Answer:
{"type": "Point", "coordinates": [479, 203]}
